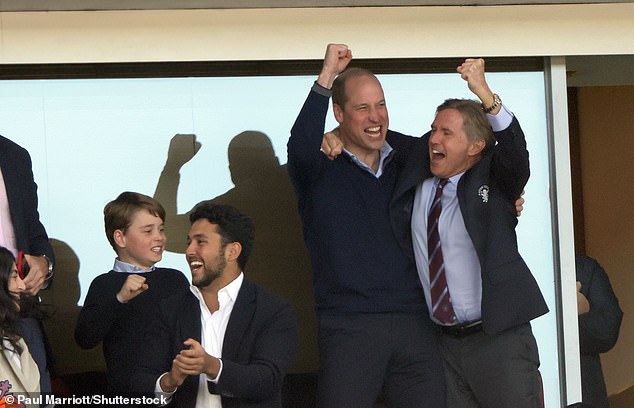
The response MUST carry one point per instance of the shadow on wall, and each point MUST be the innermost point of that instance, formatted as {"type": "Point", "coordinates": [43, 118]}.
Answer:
{"type": "Point", "coordinates": [263, 191]}
{"type": "Point", "coordinates": [62, 298]}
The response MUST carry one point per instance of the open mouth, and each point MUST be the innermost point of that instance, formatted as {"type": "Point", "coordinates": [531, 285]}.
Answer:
{"type": "Point", "coordinates": [373, 131]}
{"type": "Point", "coordinates": [436, 155]}
{"type": "Point", "coordinates": [195, 265]}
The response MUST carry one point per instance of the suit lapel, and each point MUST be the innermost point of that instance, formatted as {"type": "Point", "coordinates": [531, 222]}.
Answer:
{"type": "Point", "coordinates": [473, 190]}
{"type": "Point", "coordinates": [240, 319]}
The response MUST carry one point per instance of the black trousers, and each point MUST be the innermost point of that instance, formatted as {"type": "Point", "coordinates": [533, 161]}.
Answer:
{"type": "Point", "coordinates": [362, 355]}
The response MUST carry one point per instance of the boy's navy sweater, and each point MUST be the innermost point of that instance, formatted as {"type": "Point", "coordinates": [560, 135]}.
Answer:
{"type": "Point", "coordinates": [122, 326]}
{"type": "Point", "coordinates": [358, 265]}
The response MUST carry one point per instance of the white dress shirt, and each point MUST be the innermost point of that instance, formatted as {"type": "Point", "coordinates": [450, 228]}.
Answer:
{"type": "Point", "coordinates": [213, 329]}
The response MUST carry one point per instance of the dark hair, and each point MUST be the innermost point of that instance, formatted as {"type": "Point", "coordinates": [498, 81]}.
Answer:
{"type": "Point", "coordinates": [117, 214]}
{"type": "Point", "coordinates": [8, 309]}
{"type": "Point", "coordinates": [474, 120]}
{"type": "Point", "coordinates": [232, 225]}
{"type": "Point", "coordinates": [339, 96]}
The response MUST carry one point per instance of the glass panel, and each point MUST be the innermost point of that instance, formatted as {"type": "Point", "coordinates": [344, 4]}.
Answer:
{"type": "Point", "coordinates": [92, 139]}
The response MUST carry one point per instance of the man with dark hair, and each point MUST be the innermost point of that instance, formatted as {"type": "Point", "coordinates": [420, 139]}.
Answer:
{"type": "Point", "coordinates": [229, 342]}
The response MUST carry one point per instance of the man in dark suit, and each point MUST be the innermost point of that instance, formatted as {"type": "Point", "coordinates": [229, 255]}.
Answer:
{"type": "Point", "coordinates": [599, 323]}
{"type": "Point", "coordinates": [229, 342]}
{"type": "Point", "coordinates": [22, 231]}
{"type": "Point", "coordinates": [478, 288]}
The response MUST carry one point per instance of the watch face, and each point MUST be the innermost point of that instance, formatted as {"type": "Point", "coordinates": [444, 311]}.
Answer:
{"type": "Point", "coordinates": [50, 264]}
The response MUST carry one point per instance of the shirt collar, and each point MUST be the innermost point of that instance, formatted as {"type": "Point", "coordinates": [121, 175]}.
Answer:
{"type": "Point", "coordinates": [124, 267]}
{"type": "Point", "coordinates": [230, 291]}
{"type": "Point", "coordinates": [384, 157]}
{"type": "Point", "coordinates": [453, 179]}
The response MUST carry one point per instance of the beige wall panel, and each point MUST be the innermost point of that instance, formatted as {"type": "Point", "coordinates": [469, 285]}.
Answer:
{"type": "Point", "coordinates": [251, 34]}
{"type": "Point", "coordinates": [607, 146]}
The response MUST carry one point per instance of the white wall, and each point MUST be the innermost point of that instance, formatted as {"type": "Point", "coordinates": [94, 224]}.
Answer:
{"type": "Point", "coordinates": [372, 32]}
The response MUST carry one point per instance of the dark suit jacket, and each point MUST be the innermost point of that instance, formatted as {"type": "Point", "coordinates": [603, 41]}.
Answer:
{"type": "Point", "coordinates": [598, 329]}
{"type": "Point", "coordinates": [486, 195]}
{"type": "Point", "coordinates": [30, 234]}
{"type": "Point", "coordinates": [259, 346]}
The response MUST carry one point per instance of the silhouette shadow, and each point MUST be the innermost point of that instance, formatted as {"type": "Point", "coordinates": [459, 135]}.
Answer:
{"type": "Point", "coordinates": [263, 191]}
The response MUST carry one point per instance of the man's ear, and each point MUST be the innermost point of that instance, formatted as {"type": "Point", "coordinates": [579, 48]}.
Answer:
{"type": "Point", "coordinates": [338, 113]}
{"type": "Point", "coordinates": [119, 238]}
{"type": "Point", "coordinates": [476, 147]}
{"type": "Point", "coordinates": [233, 251]}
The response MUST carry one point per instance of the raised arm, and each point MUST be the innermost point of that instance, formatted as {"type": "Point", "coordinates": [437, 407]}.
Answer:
{"type": "Point", "coordinates": [304, 154]}
{"type": "Point", "coordinates": [510, 164]}
{"type": "Point", "coordinates": [472, 71]}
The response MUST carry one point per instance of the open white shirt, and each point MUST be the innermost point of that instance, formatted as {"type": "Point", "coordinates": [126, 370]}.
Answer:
{"type": "Point", "coordinates": [213, 328]}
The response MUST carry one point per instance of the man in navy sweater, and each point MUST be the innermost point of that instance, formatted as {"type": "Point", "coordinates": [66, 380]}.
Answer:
{"type": "Point", "coordinates": [374, 331]}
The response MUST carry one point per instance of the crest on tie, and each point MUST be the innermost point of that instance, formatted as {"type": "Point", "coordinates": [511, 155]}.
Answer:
{"type": "Point", "coordinates": [483, 193]}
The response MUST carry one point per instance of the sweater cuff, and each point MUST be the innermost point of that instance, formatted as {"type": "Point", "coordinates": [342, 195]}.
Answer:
{"type": "Point", "coordinates": [321, 90]}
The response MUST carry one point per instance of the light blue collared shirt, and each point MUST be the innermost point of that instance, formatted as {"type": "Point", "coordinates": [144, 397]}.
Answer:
{"type": "Point", "coordinates": [385, 155]}
{"type": "Point", "coordinates": [462, 267]}
{"type": "Point", "coordinates": [124, 267]}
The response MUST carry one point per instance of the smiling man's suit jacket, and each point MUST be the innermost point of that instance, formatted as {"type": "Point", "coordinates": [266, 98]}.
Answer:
{"type": "Point", "coordinates": [259, 347]}
{"type": "Point", "coordinates": [486, 195]}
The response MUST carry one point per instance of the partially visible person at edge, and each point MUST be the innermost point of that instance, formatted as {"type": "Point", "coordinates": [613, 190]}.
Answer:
{"type": "Point", "coordinates": [599, 324]}
{"type": "Point", "coordinates": [19, 374]}
{"type": "Point", "coordinates": [24, 235]}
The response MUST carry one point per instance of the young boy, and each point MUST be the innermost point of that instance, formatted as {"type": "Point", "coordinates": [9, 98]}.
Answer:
{"type": "Point", "coordinates": [120, 302]}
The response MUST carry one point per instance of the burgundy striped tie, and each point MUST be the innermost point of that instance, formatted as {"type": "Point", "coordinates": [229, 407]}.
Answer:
{"type": "Point", "coordinates": [440, 299]}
